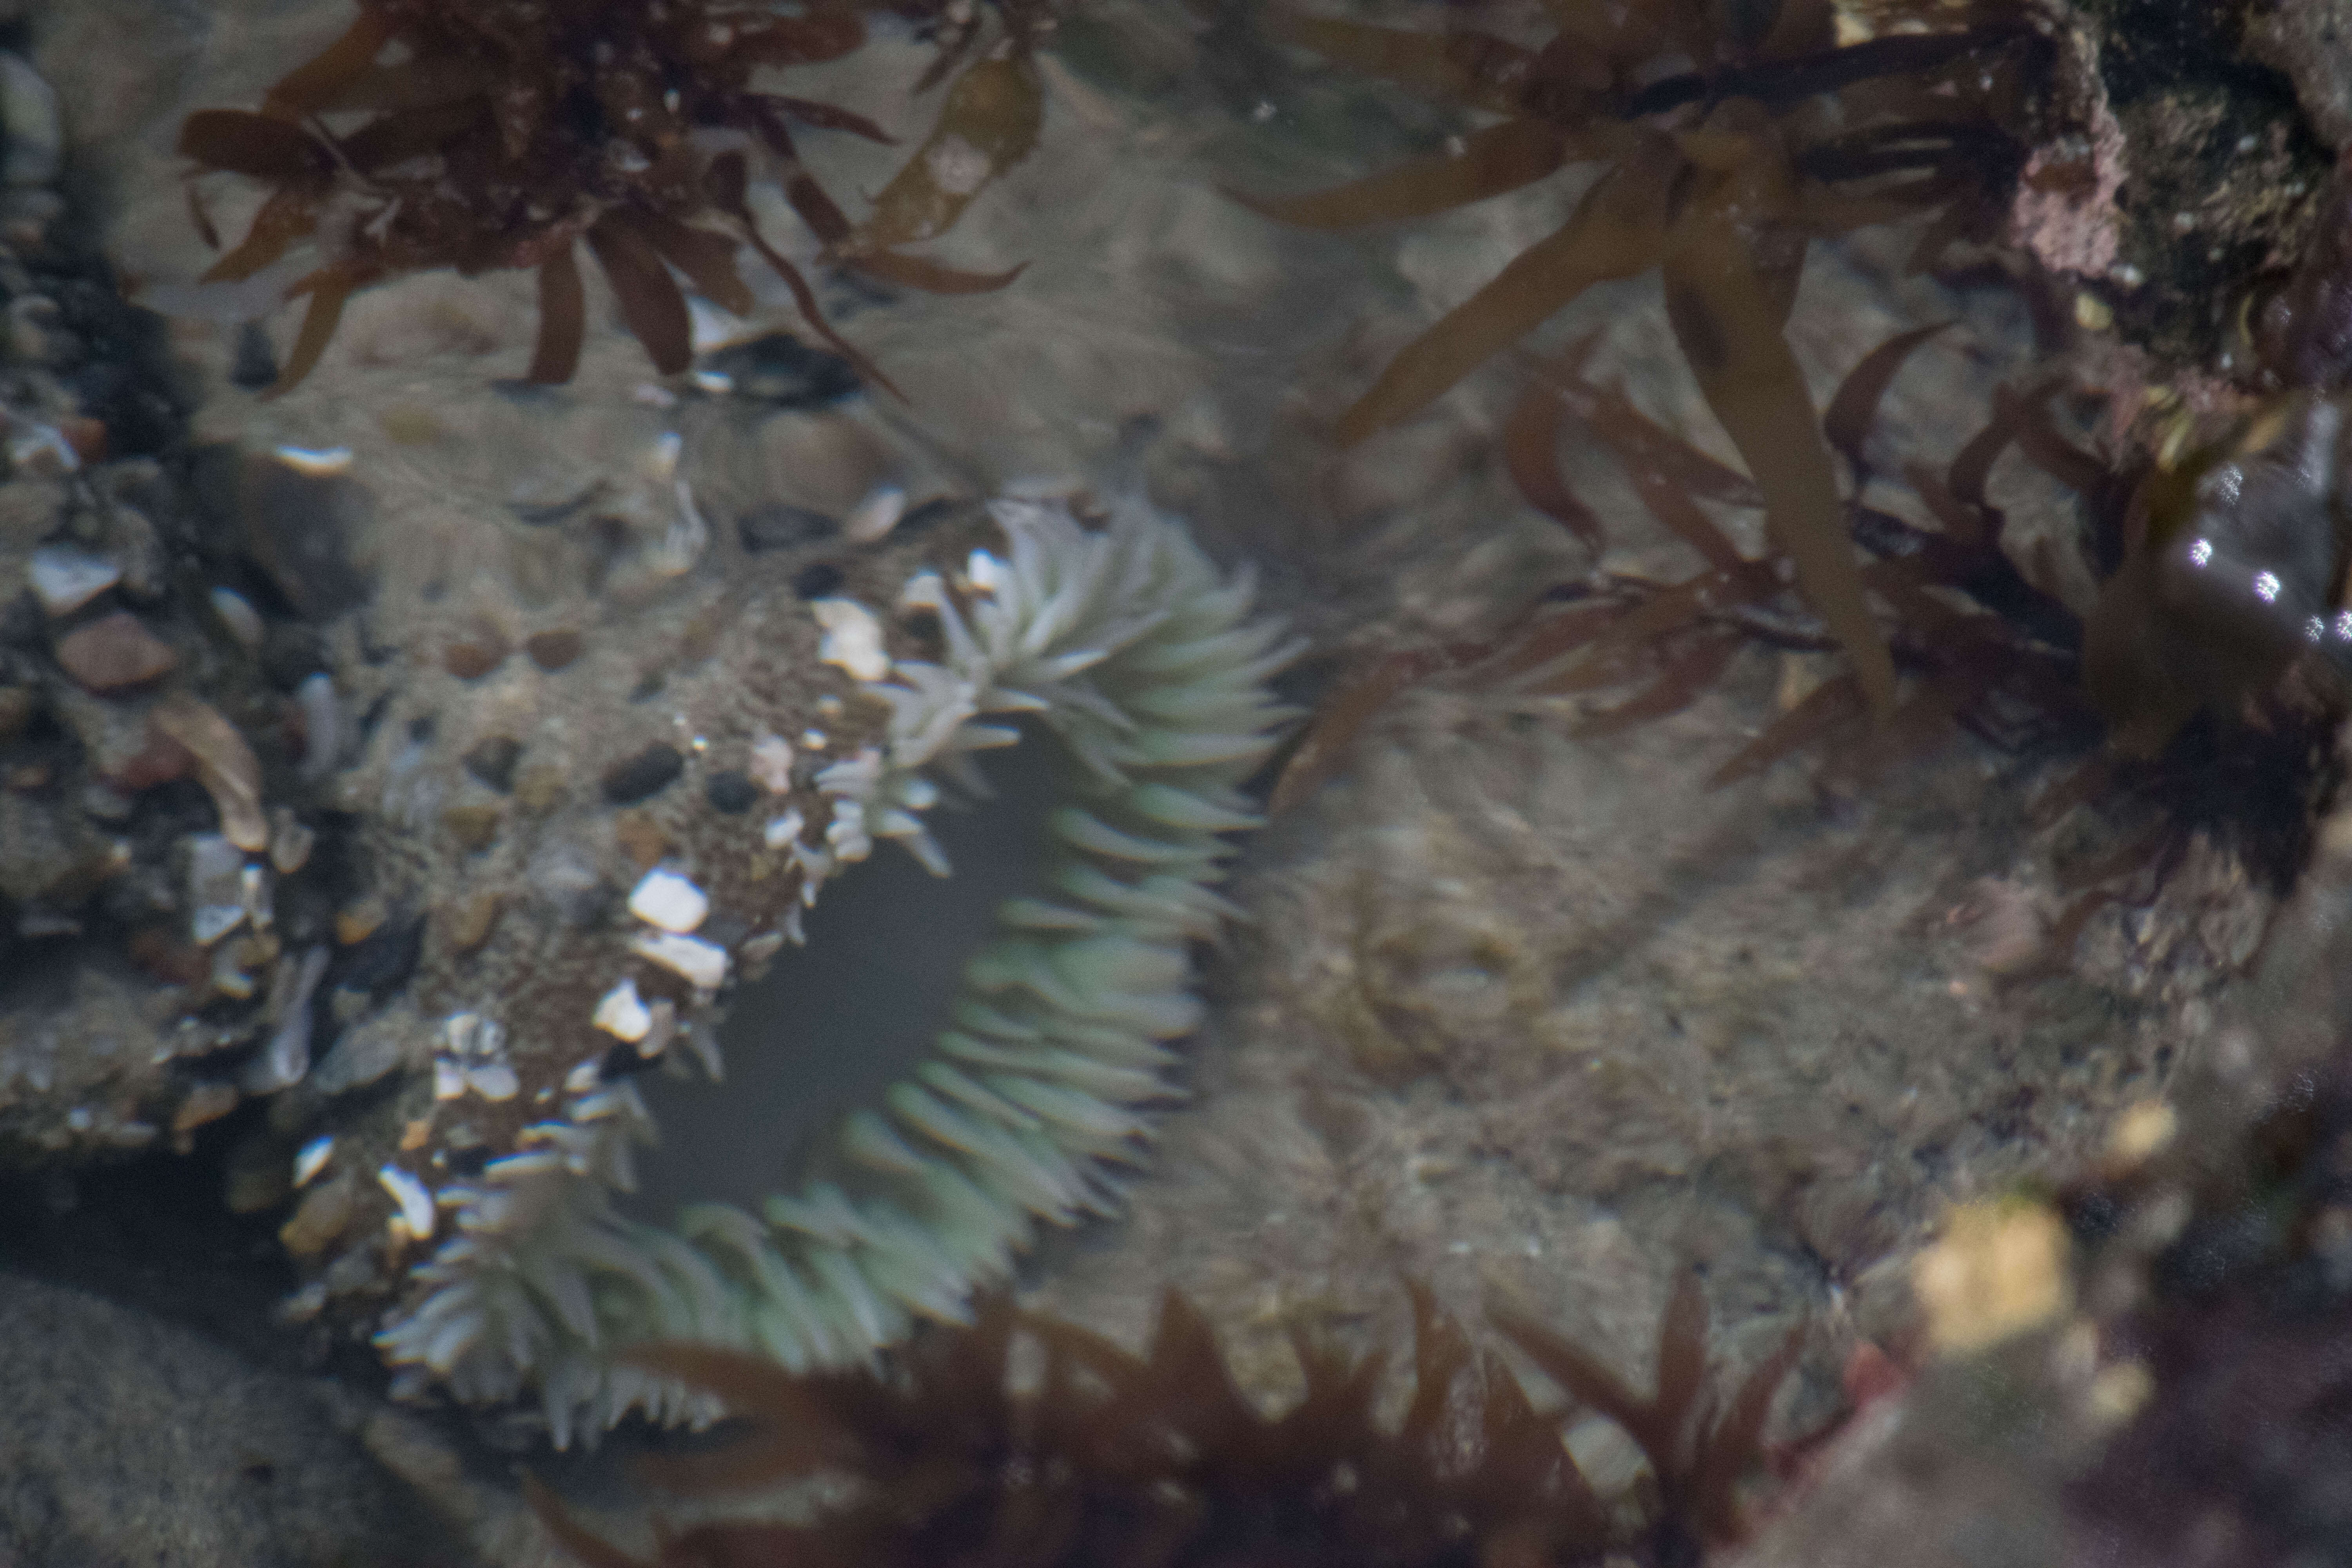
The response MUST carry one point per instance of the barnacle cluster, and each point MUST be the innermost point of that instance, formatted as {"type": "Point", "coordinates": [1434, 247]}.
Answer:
{"type": "Point", "coordinates": [1111, 1457]}
{"type": "Point", "coordinates": [503, 135]}
{"type": "Point", "coordinates": [1115, 634]}
{"type": "Point", "coordinates": [1728, 138]}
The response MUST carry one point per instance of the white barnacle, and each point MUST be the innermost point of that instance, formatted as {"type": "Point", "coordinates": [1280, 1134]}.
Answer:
{"type": "Point", "coordinates": [473, 1058]}
{"type": "Point", "coordinates": [620, 1014]}
{"type": "Point", "coordinates": [852, 639]}
{"type": "Point", "coordinates": [669, 902]}
{"type": "Point", "coordinates": [702, 965]}
{"type": "Point", "coordinates": [772, 764]}
{"type": "Point", "coordinates": [414, 1219]}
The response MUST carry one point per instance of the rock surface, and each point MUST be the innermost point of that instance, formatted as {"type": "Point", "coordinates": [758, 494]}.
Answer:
{"type": "Point", "coordinates": [126, 1440]}
{"type": "Point", "coordinates": [1535, 1019]}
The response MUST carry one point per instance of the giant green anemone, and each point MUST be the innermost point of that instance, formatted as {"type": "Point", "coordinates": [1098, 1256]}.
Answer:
{"type": "Point", "coordinates": [1125, 643]}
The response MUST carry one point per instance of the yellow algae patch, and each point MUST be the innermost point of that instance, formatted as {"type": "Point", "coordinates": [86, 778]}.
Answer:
{"type": "Point", "coordinates": [1999, 1270]}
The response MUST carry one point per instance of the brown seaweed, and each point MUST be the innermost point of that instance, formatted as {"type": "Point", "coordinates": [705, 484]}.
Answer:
{"type": "Point", "coordinates": [1730, 137]}
{"type": "Point", "coordinates": [1114, 1461]}
{"type": "Point", "coordinates": [2003, 667]}
{"type": "Point", "coordinates": [499, 133]}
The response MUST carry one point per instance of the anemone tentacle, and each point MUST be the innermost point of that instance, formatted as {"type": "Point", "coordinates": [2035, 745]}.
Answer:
{"type": "Point", "coordinates": [1145, 661]}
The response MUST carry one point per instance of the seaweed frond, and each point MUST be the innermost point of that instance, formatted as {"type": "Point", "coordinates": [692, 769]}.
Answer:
{"type": "Point", "coordinates": [497, 134]}
{"type": "Point", "coordinates": [1110, 1459]}
{"type": "Point", "coordinates": [1984, 647]}
{"type": "Point", "coordinates": [1728, 138]}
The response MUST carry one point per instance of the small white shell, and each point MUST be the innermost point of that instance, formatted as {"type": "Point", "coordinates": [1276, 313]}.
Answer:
{"type": "Point", "coordinates": [783, 831]}
{"type": "Point", "coordinates": [416, 1201]}
{"type": "Point", "coordinates": [216, 888]}
{"type": "Point", "coordinates": [702, 965]}
{"type": "Point", "coordinates": [622, 1015]}
{"type": "Point", "coordinates": [448, 1078]}
{"type": "Point", "coordinates": [65, 579]}
{"type": "Point", "coordinates": [667, 899]}
{"type": "Point", "coordinates": [311, 1158]}
{"type": "Point", "coordinates": [853, 637]}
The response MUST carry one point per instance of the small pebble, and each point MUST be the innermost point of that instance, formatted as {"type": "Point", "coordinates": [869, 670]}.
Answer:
{"type": "Point", "coordinates": [779, 368]}
{"type": "Point", "coordinates": [539, 788]}
{"type": "Point", "coordinates": [113, 652]}
{"type": "Point", "coordinates": [322, 726]}
{"type": "Point", "coordinates": [473, 825]}
{"type": "Point", "coordinates": [238, 616]}
{"type": "Point", "coordinates": [641, 839]}
{"type": "Point", "coordinates": [359, 919]}
{"type": "Point", "coordinates": [290, 842]}
{"type": "Point", "coordinates": [730, 794]}
{"type": "Point", "coordinates": [554, 650]}
{"type": "Point", "coordinates": [471, 926]}
{"type": "Point", "coordinates": [321, 1217]}
{"type": "Point", "coordinates": [643, 776]}
{"type": "Point", "coordinates": [205, 1102]}
{"type": "Point", "coordinates": [493, 762]}
{"type": "Point", "coordinates": [875, 516]}
{"type": "Point", "coordinates": [473, 658]}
